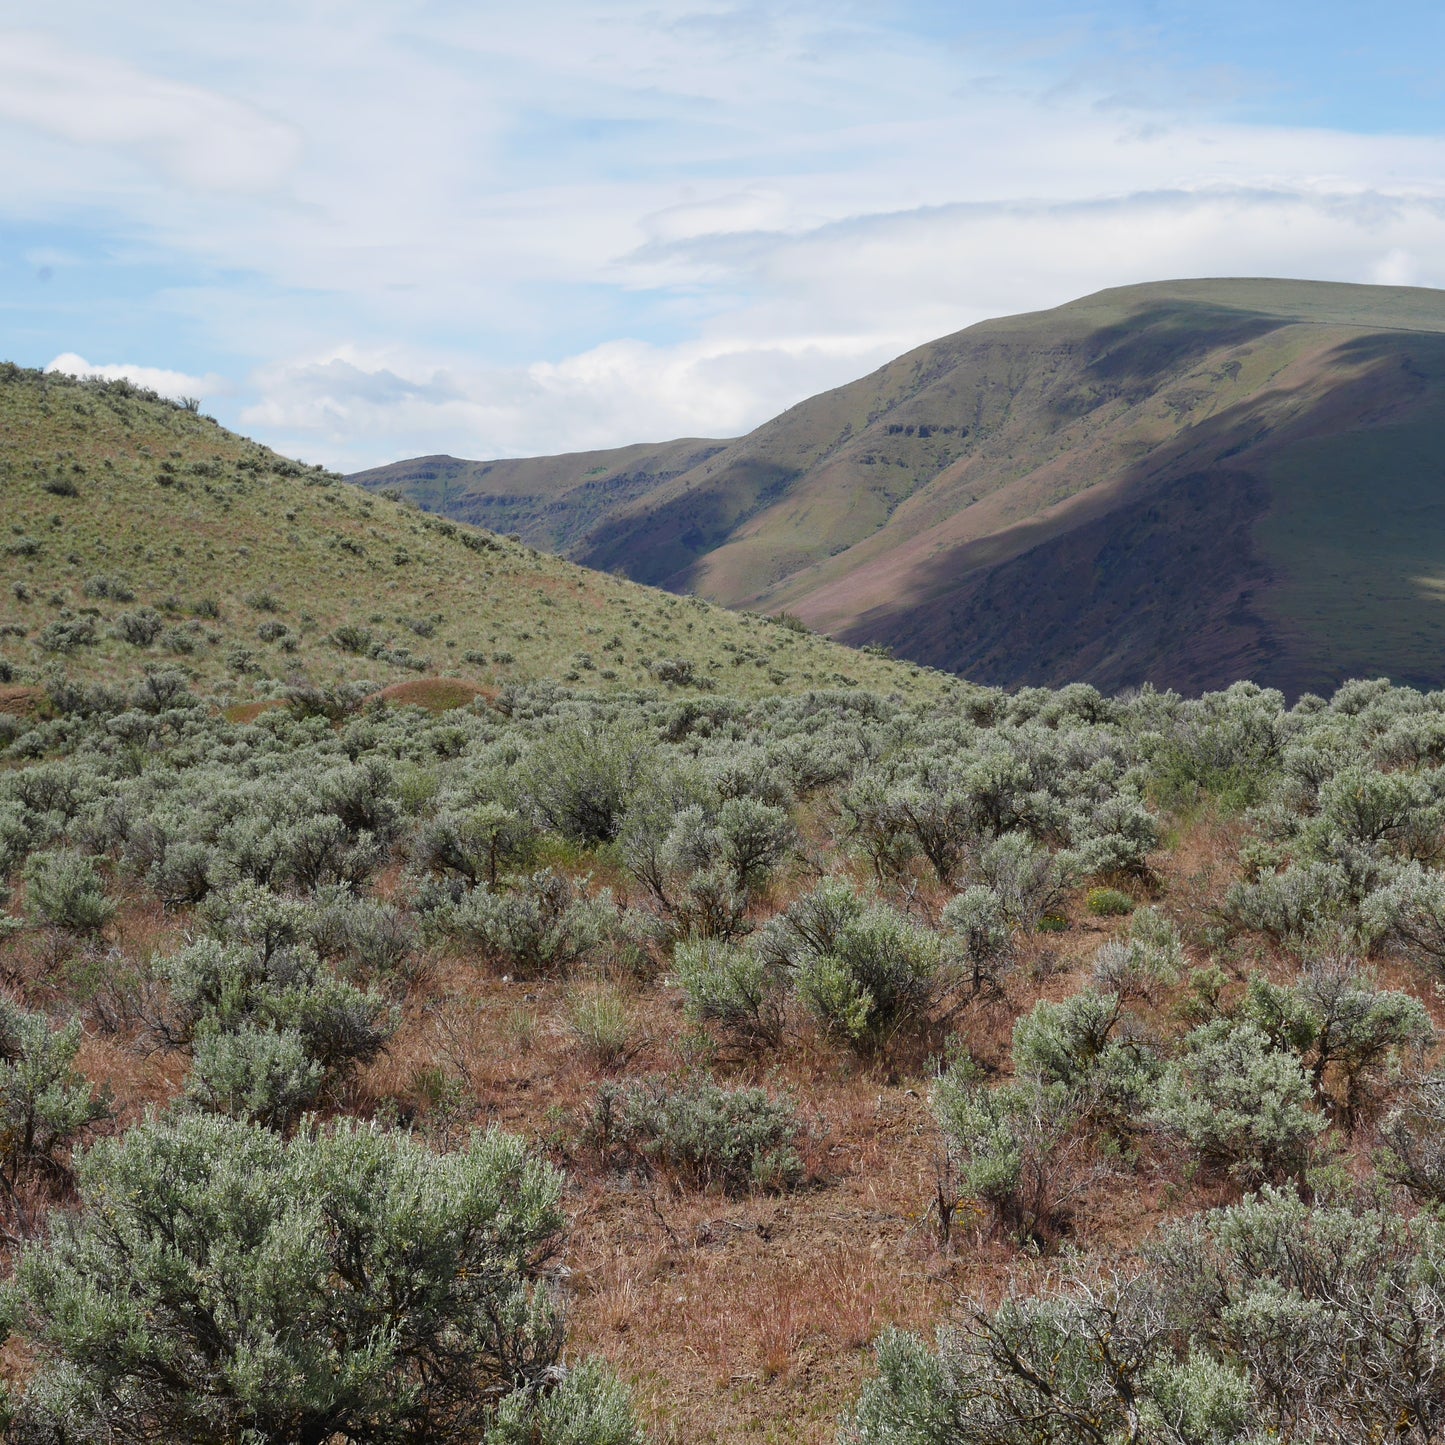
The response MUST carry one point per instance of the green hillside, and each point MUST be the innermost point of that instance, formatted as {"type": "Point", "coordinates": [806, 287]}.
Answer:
{"type": "Point", "coordinates": [139, 532]}
{"type": "Point", "coordinates": [1185, 483]}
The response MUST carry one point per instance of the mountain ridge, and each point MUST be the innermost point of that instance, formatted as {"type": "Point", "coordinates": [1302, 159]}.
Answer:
{"type": "Point", "coordinates": [934, 505]}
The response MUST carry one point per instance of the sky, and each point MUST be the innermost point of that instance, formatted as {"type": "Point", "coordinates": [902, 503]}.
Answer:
{"type": "Point", "coordinates": [361, 231]}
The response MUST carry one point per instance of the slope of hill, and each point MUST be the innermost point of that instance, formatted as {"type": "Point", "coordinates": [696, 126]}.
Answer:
{"type": "Point", "coordinates": [137, 531]}
{"type": "Point", "coordinates": [1185, 483]}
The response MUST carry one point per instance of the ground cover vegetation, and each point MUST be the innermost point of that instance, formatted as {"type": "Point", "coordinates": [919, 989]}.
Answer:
{"type": "Point", "coordinates": [569, 1066]}
{"type": "Point", "coordinates": [517, 1061]}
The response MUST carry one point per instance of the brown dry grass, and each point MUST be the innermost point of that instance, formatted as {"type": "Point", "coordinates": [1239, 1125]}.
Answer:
{"type": "Point", "coordinates": [737, 1319]}
{"type": "Point", "coordinates": [435, 694]}
{"type": "Point", "coordinates": [19, 701]}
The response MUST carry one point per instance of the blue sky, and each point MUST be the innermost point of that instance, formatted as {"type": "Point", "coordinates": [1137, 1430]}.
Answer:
{"type": "Point", "coordinates": [365, 230]}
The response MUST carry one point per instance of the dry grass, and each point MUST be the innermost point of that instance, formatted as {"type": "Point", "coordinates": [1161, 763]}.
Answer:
{"type": "Point", "coordinates": [435, 694]}
{"type": "Point", "coordinates": [736, 1319]}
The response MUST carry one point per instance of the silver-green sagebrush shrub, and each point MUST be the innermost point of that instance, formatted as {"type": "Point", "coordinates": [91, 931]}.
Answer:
{"type": "Point", "coordinates": [220, 1283]}
{"type": "Point", "coordinates": [1239, 1103]}
{"type": "Point", "coordinates": [477, 843]}
{"type": "Point", "coordinates": [1014, 1148]}
{"type": "Point", "coordinates": [1096, 1049]}
{"type": "Point", "coordinates": [265, 1075]}
{"type": "Point", "coordinates": [862, 969]}
{"type": "Point", "coordinates": [1347, 1033]}
{"type": "Point", "coordinates": [1267, 1321]}
{"type": "Point", "coordinates": [64, 890]}
{"type": "Point", "coordinates": [1413, 1140]}
{"type": "Point", "coordinates": [735, 987]}
{"type": "Point", "coordinates": [977, 924]}
{"type": "Point", "coordinates": [1028, 880]}
{"type": "Point", "coordinates": [1150, 957]}
{"type": "Point", "coordinates": [1291, 907]}
{"type": "Point", "coordinates": [583, 777]}
{"type": "Point", "coordinates": [217, 988]}
{"type": "Point", "coordinates": [545, 923]}
{"type": "Point", "coordinates": [701, 867]}
{"type": "Point", "coordinates": [732, 1139]}
{"type": "Point", "coordinates": [46, 1104]}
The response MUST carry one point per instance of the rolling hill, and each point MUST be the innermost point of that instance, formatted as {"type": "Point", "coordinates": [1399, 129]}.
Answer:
{"type": "Point", "coordinates": [1182, 483]}
{"type": "Point", "coordinates": [139, 533]}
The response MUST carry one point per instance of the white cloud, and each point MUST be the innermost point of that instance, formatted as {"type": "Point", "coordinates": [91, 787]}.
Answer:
{"type": "Point", "coordinates": [174, 384]}
{"type": "Point", "coordinates": [203, 138]}
{"type": "Point", "coordinates": [510, 229]}
{"type": "Point", "coordinates": [828, 305]}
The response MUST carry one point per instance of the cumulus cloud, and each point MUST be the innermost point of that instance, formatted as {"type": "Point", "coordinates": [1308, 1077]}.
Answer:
{"type": "Point", "coordinates": [174, 384]}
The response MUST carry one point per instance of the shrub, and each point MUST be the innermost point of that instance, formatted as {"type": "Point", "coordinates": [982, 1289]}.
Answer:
{"type": "Point", "coordinates": [704, 868]}
{"type": "Point", "coordinates": [544, 925]}
{"type": "Point", "coordinates": [1095, 1049]}
{"type": "Point", "coordinates": [1012, 1147]}
{"type": "Point", "coordinates": [734, 987]}
{"type": "Point", "coordinates": [258, 1074]}
{"type": "Point", "coordinates": [733, 1139]}
{"type": "Point", "coordinates": [1325, 1309]}
{"type": "Point", "coordinates": [118, 589]}
{"type": "Point", "coordinates": [1028, 880]}
{"type": "Point", "coordinates": [141, 627]}
{"type": "Point", "coordinates": [477, 844]}
{"type": "Point", "coordinates": [220, 988]}
{"type": "Point", "coordinates": [67, 634]}
{"type": "Point", "coordinates": [350, 638]}
{"type": "Point", "coordinates": [64, 890]}
{"type": "Point", "coordinates": [1239, 1103]}
{"type": "Point", "coordinates": [45, 1103]}
{"type": "Point", "coordinates": [589, 1407]}
{"type": "Point", "coordinates": [370, 939]}
{"type": "Point", "coordinates": [1269, 1320]}
{"type": "Point", "coordinates": [582, 779]}
{"type": "Point", "coordinates": [1409, 911]}
{"type": "Point", "coordinates": [1109, 903]}
{"type": "Point", "coordinates": [221, 1284]}
{"type": "Point", "coordinates": [1149, 958]}
{"type": "Point", "coordinates": [984, 940]}
{"type": "Point", "coordinates": [1290, 907]}
{"type": "Point", "coordinates": [1413, 1134]}
{"type": "Point", "coordinates": [863, 970]}
{"type": "Point", "coordinates": [1345, 1031]}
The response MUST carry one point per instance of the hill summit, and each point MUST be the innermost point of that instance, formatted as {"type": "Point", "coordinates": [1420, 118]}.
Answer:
{"type": "Point", "coordinates": [1183, 483]}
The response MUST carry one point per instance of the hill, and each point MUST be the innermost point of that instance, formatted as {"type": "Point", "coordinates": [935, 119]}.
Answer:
{"type": "Point", "coordinates": [137, 531]}
{"type": "Point", "coordinates": [1185, 483]}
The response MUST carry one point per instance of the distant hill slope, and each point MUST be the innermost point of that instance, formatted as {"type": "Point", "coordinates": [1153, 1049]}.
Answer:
{"type": "Point", "coordinates": [1185, 483]}
{"type": "Point", "coordinates": [135, 532]}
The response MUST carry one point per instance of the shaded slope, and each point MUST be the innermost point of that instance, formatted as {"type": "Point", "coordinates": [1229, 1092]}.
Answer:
{"type": "Point", "coordinates": [550, 502]}
{"type": "Point", "coordinates": [139, 533]}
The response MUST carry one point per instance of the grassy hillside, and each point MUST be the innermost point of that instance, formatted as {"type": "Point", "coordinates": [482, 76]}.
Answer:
{"type": "Point", "coordinates": [136, 531]}
{"type": "Point", "coordinates": [1161, 482]}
